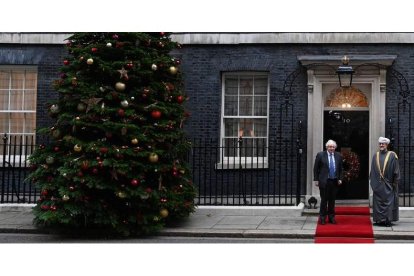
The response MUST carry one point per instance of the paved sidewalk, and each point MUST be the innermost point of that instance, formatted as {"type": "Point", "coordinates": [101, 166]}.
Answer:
{"type": "Point", "coordinates": [232, 222]}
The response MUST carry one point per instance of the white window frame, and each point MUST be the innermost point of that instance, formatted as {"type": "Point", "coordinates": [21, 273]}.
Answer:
{"type": "Point", "coordinates": [19, 159]}
{"type": "Point", "coordinates": [237, 162]}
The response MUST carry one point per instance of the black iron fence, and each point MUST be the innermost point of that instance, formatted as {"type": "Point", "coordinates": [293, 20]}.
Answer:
{"type": "Point", "coordinates": [247, 171]}
{"type": "Point", "coordinates": [14, 153]}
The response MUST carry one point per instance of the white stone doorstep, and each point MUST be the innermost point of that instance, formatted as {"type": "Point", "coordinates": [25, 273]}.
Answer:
{"type": "Point", "coordinates": [406, 212]}
{"type": "Point", "coordinates": [274, 211]}
{"type": "Point", "coordinates": [14, 207]}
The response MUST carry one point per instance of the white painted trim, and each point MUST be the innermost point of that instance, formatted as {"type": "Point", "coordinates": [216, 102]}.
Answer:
{"type": "Point", "coordinates": [234, 38]}
{"type": "Point", "coordinates": [34, 38]}
{"type": "Point", "coordinates": [306, 38]}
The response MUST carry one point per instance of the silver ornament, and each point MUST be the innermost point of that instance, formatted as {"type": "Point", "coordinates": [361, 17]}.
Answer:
{"type": "Point", "coordinates": [124, 103]}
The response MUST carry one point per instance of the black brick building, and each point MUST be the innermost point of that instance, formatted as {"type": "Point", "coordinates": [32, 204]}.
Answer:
{"type": "Point", "coordinates": [263, 104]}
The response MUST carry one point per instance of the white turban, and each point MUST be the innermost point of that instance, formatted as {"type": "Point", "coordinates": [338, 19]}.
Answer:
{"type": "Point", "coordinates": [383, 140]}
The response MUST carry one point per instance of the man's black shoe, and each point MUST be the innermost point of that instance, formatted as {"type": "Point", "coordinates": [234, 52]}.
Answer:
{"type": "Point", "coordinates": [322, 220]}
{"type": "Point", "coordinates": [332, 220]}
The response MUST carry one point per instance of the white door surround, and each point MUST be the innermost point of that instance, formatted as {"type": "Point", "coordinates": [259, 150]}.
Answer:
{"type": "Point", "coordinates": [319, 79]}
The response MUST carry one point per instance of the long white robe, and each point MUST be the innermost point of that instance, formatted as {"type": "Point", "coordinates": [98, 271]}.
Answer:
{"type": "Point", "coordinates": [384, 183]}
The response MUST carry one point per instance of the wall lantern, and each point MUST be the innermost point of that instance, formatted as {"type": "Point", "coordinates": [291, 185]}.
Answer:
{"type": "Point", "coordinates": [345, 73]}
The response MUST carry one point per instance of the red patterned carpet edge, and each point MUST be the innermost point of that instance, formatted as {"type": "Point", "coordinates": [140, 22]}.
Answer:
{"type": "Point", "coordinates": [353, 226]}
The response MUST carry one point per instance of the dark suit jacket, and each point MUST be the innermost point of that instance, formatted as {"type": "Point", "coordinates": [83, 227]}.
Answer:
{"type": "Point", "coordinates": [321, 167]}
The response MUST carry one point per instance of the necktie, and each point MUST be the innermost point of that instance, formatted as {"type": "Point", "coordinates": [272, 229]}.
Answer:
{"type": "Point", "coordinates": [331, 166]}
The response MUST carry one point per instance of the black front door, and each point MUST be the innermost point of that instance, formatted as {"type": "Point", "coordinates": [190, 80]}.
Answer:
{"type": "Point", "coordinates": [350, 130]}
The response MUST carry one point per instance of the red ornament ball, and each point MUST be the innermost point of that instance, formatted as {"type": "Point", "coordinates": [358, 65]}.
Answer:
{"type": "Point", "coordinates": [94, 50]}
{"type": "Point", "coordinates": [66, 62]}
{"type": "Point", "coordinates": [121, 112]}
{"type": "Point", "coordinates": [134, 182]}
{"type": "Point", "coordinates": [180, 99]}
{"type": "Point", "coordinates": [156, 114]}
{"type": "Point", "coordinates": [103, 150]}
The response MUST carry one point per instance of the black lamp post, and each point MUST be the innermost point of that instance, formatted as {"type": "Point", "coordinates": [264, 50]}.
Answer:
{"type": "Point", "coordinates": [345, 73]}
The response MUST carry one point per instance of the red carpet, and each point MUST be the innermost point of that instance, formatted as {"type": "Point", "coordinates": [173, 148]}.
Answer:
{"type": "Point", "coordinates": [353, 226]}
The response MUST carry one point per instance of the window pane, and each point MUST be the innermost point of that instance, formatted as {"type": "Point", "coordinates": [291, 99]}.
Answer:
{"type": "Point", "coordinates": [4, 100]}
{"type": "Point", "coordinates": [260, 127]}
{"type": "Point", "coordinates": [4, 123]}
{"type": "Point", "coordinates": [246, 125]}
{"type": "Point", "coordinates": [260, 86]}
{"type": "Point", "coordinates": [246, 86]}
{"type": "Point", "coordinates": [260, 105]}
{"type": "Point", "coordinates": [16, 100]}
{"type": "Point", "coordinates": [230, 105]}
{"type": "Point", "coordinates": [16, 122]}
{"type": "Point", "coordinates": [17, 79]}
{"type": "Point", "coordinates": [31, 80]}
{"type": "Point", "coordinates": [30, 123]}
{"type": "Point", "coordinates": [231, 127]}
{"type": "Point", "coordinates": [4, 79]}
{"type": "Point", "coordinates": [29, 100]}
{"type": "Point", "coordinates": [246, 106]}
{"type": "Point", "coordinates": [231, 86]}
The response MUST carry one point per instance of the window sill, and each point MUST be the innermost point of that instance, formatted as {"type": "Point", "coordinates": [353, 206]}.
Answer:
{"type": "Point", "coordinates": [243, 166]}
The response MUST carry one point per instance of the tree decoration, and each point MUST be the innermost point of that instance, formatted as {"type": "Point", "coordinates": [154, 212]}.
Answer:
{"type": "Point", "coordinates": [124, 73]}
{"type": "Point", "coordinates": [351, 165]}
{"type": "Point", "coordinates": [54, 109]}
{"type": "Point", "coordinates": [119, 86]}
{"type": "Point", "coordinates": [124, 103]}
{"type": "Point", "coordinates": [173, 70]}
{"type": "Point", "coordinates": [153, 157]}
{"type": "Point", "coordinates": [115, 161]}
{"type": "Point", "coordinates": [91, 103]}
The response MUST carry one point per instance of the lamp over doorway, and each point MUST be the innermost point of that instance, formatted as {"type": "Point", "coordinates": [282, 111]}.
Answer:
{"type": "Point", "coordinates": [345, 72]}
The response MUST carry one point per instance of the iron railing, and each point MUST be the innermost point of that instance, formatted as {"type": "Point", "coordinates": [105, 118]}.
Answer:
{"type": "Point", "coordinates": [256, 172]}
{"type": "Point", "coordinates": [14, 153]}
{"type": "Point", "coordinates": [248, 173]}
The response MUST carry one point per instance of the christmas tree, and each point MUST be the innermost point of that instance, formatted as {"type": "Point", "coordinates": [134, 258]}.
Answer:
{"type": "Point", "coordinates": [116, 156]}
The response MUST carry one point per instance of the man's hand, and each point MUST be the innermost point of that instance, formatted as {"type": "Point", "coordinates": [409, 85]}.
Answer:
{"type": "Point", "coordinates": [316, 183]}
{"type": "Point", "coordinates": [339, 182]}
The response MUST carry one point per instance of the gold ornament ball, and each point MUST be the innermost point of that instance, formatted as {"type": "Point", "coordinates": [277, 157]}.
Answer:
{"type": "Point", "coordinates": [154, 67]}
{"type": "Point", "coordinates": [77, 148]}
{"type": "Point", "coordinates": [164, 213]}
{"type": "Point", "coordinates": [153, 157]}
{"type": "Point", "coordinates": [65, 198]}
{"type": "Point", "coordinates": [89, 61]}
{"type": "Point", "coordinates": [134, 141]}
{"type": "Point", "coordinates": [121, 194]}
{"type": "Point", "coordinates": [173, 70]}
{"type": "Point", "coordinates": [119, 86]}
{"type": "Point", "coordinates": [109, 44]}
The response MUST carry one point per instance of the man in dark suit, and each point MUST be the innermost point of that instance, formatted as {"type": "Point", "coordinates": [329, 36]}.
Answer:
{"type": "Point", "coordinates": [327, 175]}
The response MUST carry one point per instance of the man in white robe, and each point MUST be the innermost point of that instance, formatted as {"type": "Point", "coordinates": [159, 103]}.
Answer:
{"type": "Point", "coordinates": [384, 178]}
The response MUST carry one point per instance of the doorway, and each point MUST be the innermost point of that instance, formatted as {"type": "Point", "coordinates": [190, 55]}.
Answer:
{"type": "Point", "coordinates": [350, 130]}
